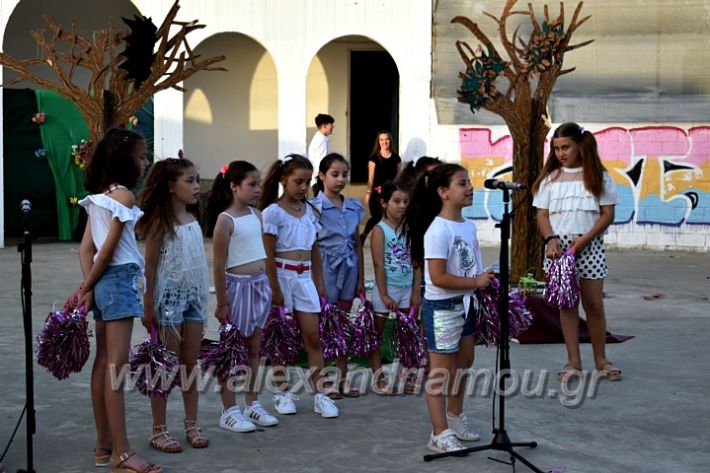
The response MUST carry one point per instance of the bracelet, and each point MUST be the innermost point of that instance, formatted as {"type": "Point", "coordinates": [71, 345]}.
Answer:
{"type": "Point", "coordinates": [550, 238]}
{"type": "Point", "coordinates": [222, 305]}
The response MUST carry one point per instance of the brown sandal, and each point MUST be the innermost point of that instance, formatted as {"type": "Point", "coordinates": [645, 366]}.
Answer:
{"type": "Point", "coordinates": [163, 440]}
{"type": "Point", "coordinates": [123, 467]}
{"type": "Point", "coordinates": [351, 392]}
{"type": "Point", "coordinates": [194, 435]}
{"type": "Point", "coordinates": [385, 389]}
{"type": "Point", "coordinates": [102, 456]}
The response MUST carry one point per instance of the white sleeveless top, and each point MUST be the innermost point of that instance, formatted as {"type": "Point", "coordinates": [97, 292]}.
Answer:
{"type": "Point", "coordinates": [102, 209]}
{"type": "Point", "coordinates": [182, 278]}
{"type": "Point", "coordinates": [246, 244]}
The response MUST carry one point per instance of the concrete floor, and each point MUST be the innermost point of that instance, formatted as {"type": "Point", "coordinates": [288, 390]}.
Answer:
{"type": "Point", "coordinates": [654, 420]}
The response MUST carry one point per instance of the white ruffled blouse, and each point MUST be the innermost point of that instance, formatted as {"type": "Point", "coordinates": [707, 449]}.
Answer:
{"type": "Point", "coordinates": [292, 233]}
{"type": "Point", "coordinates": [573, 209]}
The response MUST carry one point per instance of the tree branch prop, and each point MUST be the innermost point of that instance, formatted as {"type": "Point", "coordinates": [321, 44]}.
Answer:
{"type": "Point", "coordinates": [174, 62]}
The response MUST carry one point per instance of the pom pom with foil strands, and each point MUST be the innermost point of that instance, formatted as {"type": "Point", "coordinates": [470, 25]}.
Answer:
{"type": "Point", "coordinates": [63, 344]}
{"type": "Point", "coordinates": [488, 317]}
{"type": "Point", "coordinates": [407, 340]}
{"type": "Point", "coordinates": [154, 369]}
{"type": "Point", "coordinates": [227, 356]}
{"type": "Point", "coordinates": [281, 339]}
{"type": "Point", "coordinates": [562, 291]}
{"type": "Point", "coordinates": [334, 327]}
{"type": "Point", "coordinates": [365, 339]}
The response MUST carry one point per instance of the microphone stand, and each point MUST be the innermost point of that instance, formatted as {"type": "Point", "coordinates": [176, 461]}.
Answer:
{"type": "Point", "coordinates": [501, 440]}
{"type": "Point", "coordinates": [25, 249]}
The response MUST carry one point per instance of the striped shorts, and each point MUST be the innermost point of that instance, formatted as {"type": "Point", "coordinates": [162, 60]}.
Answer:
{"type": "Point", "coordinates": [249, 300]}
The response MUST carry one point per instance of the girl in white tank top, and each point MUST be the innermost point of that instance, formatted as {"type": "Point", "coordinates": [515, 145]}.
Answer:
{"type": "Point", "coordinates": [241, 285]}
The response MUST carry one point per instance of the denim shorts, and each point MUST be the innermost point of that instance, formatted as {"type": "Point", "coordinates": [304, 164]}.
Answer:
{"type": "Point", "coordinates": [445, 323]}
{"type": "Point", "coordinates": [191, 315]}
{"type": "Point", "coordinates": [119, 293]}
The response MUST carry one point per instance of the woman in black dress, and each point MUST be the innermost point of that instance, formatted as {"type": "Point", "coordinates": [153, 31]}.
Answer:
{"type": "Point", "coordinates": [383, 166]}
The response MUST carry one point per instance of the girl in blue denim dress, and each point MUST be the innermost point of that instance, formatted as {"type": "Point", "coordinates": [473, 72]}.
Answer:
{"type": "Point", "coordinates": [113, 278]}
{"type": "Point", "coordinates": [445, 244]}
{"type": "Point", "coordinates": [177, 285]}
{"type": "Point", "coordinates": [339, 245]}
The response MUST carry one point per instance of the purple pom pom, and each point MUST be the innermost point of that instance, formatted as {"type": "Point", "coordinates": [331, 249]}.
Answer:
{"type": "Point", "coordinates": [226, 357]}
{"type": "Point", "coordinates": [63, 345]}
{"type": "Point", "coordinates": [154, 368]}
{"type": "Point", "coordinates": [365, 339]}
{"type": "Point", "coordinates": [562, 291]}
{"type": "Point", "coordinates": [334, 327]}
{"type": "Point", "coordinates": [281, 339]}
{"type": "Point", "coordinates": [407, 340]}
{"type": "Point", "coordinates": [488, 318]}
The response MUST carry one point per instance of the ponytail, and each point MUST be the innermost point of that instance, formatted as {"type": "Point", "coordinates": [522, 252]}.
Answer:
{"type": "Point", "coordinates": [220, 196]}
{"type": "Point", "coordinates": [280, 169]}
{"type": "Point", "coordinates": [424, 206]}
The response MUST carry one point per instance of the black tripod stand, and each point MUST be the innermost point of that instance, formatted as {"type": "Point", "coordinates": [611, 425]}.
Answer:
{"type": "Point", "coordinates": [25, 249]}
{"type": "Point", "coordinates": [500, 441]}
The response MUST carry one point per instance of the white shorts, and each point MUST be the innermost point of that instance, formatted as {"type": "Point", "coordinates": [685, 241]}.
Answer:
{"type": "Point", "coordinates": [401, 296]}
{"type": "Point", "coordinates": [298, 289]}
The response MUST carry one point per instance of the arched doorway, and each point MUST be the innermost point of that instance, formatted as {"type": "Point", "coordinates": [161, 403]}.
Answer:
{"type": "Point", "coordinates": [355, 80]}
{"type": "Point", "coordinates": [234, 114]}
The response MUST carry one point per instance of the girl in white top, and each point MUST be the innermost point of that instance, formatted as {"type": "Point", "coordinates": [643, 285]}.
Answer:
{"type": "Point", "coordinates": [445, 243]}
{"type": "Point", "coordinates": [294, 268]}
{"type": "Point", "coordinates": [241, 285]}
{"type": "Point", "coordinates": [575, 198]}
{"type": "Point", "coordinates": [113, 277]}
{"type": "Point", "coordinates": [177, 285]}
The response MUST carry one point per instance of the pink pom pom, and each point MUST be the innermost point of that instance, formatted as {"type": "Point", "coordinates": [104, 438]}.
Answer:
{"type": "Point", "coordinates": [407, 340]}
{"type": "Point", "coordinates": [365, 339]}
{"type": "Point", "coordinates": [488, 318]}
{"type": "Point", "coordinates": [334, 327]}
{"type": "Point", "coordinates": [226, 357]}
{"type": "Point", "coordinates": [562, 289]}
{"type": "Point", "coordinates": [154, 368]}
{"type": "Point", "coordinates": [281, 339]}
{"type": "Point", "coordinates": [63, 345]}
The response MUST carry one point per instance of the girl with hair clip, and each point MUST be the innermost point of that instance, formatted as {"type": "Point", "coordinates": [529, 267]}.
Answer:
{"type": "Point", "coordinates": [446, 245]}
{"type": "Point", "coordinates": [339, 245]}
{"type": "Point", "coordinates": [177, 284]}
{"type": "Point", "coordinates": [383, 166]}
{"type": "Point", "coordinates": [395, 278]}
{"type": "Point", "coordinates": [575, 198]}
{"type": "Point", "coordinates": [294, 268]}
{"type": "Point", "coordinates": [241, 284]}
{"type": "Point", "coordinates": [113, 277]}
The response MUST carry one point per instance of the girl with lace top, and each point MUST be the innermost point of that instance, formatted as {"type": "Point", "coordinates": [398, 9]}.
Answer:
{"type": "Point", "coordinates": [445, 244]}
{"type": "Point", "coordinates": [575, 198]}
{"type": "Point", "coordinates": [177, 285]}
{"type": "Point", "coordinates": [241, 284]}
{"type": "Point", "coordinates": [294, 268]}
{"type": "Point", "coordinates": [395, 276]}
{"type": "Point", "coordinates": [339, 246]}
{"type": "Point", "coordinates": [113, 278]}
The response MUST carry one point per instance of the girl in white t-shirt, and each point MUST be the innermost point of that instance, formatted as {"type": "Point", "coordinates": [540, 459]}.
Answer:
{"type": "Point", "coordinates": [294, 267]}
{"type": "Point", "coordinates": [445, 244]}
{"type": "Point", "coordinates": [575, 198]}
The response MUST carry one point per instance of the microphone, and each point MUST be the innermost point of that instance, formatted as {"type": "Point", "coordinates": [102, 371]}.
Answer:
{"type": "Point", "coordinates": [25, 207]}
{"type": "Point", "coordinates": [503, 185]}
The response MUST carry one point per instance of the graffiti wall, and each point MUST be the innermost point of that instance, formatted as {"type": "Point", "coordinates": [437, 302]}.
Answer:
{"type": "Point", "coordinates": [663, 175]}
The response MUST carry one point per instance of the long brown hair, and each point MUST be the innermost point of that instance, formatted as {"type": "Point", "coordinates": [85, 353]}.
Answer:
{"type": "Point", "coordinates": [376, 148]}
{"type": "Point", "coordinates": [113, 160]}
{"type": "Point", "coordinates": [155, 199]}
{"type": "Point", "coordinates": [588, 154]}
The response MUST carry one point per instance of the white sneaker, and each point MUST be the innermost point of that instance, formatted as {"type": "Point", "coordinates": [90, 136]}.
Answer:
{"type": "Point", "coordinates": [283, 402]}
{"type": "Point", "coordinates": [444, 442]}
{"type": "Point", "coordinates": [325, 406]}
{"type": "Point", "coordinates": [463, 430]}
{"type": "Point", "coordinates": [257, 414]}
{"type": "Point", "coordinates": [233, 419]}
